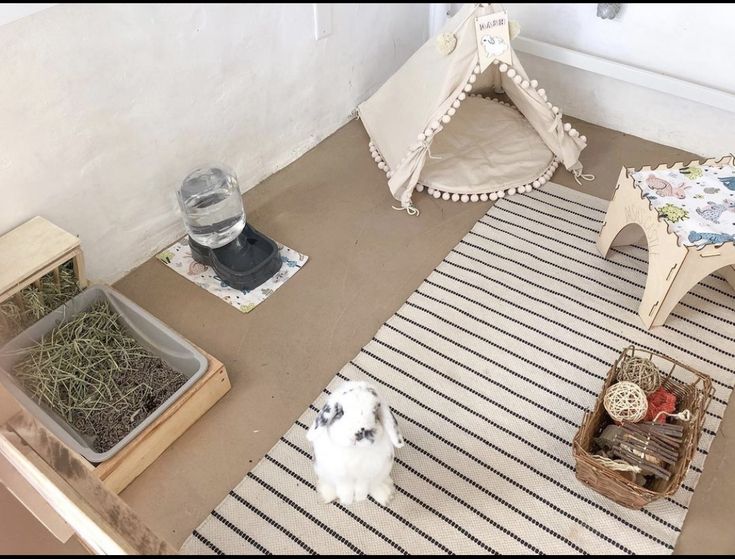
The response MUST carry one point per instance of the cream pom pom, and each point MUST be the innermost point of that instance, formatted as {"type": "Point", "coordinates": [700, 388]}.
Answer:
{"type": "Point", "coordinates": [446, 196]}
{"type": "Point", "coordinates": [511, 73]}
{"type": "Point", "coordinates": [419, 188]}
{"type": "Point", "coordinates": [483, 197]}
{"type": "Point", "coordinates": [503, 67]}
{"type": "Point", "coordinates": [465, 198]}
{"type": "Point", "coordinates": [455, 197]}
{"type": "Point", "coordinates": [474, 197]}
{"type": "Point", "coordinates": [493, 196]}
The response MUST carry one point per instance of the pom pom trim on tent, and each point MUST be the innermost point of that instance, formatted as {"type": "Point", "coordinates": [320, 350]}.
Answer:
{"type": "Point", "coordinates": [437, 126]}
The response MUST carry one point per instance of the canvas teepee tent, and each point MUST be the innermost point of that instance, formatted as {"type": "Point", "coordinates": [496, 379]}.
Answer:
{"type": "Point", "coordinates": [428, 131]}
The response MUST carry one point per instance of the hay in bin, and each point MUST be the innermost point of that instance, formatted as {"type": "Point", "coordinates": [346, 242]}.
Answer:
{"type": "Point", "coordinates": [36, 301]}
{"type": "Point", "coordinates": [97, 377]}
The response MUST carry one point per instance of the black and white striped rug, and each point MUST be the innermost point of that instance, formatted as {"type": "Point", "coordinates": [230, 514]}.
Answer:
{"type": "Point", "coordinates": [489, 367]}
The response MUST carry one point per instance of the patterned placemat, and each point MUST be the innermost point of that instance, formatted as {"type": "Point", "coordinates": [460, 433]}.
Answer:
{"type": "Point", "coordinates": [178, 258]}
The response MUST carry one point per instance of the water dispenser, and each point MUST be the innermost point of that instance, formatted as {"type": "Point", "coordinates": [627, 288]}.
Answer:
{"type": "Point", "coordinates": [219, 234]}
{"type": "Point", "coordinates": [211, 203]}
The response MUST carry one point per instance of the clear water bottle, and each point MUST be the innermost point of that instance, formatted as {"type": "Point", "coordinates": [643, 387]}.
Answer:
{"type": "Point", "coordinates": [212, 206]}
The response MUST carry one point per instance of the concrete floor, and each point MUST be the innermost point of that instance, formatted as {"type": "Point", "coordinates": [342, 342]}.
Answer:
{"type": "Point", "coordinates": [365, 260]}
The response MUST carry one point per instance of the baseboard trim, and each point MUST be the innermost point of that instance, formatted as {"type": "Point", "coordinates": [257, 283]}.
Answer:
{"type": "Point", "coordinates": [624, 72]}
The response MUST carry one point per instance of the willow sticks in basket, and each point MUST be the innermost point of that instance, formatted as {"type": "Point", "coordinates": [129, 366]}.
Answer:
{"type": "Point", "coordinates": [636, 445]}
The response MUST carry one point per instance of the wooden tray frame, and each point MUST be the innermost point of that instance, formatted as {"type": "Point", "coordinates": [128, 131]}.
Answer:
{"type": "Point", "coordinates": [64, 491]}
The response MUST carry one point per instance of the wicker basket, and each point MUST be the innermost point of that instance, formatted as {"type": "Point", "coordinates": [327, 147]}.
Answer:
{"type": "Point", "coordinates": [694, 392]}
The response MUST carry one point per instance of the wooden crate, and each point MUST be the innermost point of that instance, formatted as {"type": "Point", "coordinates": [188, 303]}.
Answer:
{"type": "Point", "coordinates": [34, 249]}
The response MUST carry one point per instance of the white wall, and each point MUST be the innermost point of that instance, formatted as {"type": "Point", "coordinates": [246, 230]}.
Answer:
{"type": "Point", "coordinates": [105, 108]}
{"type": "Point", "coordinates": [694, 42]}
{"type": "Point", "coordinates": [10, 12]}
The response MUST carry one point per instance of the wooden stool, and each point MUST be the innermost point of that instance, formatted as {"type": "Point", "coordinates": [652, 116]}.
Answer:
{"type": "Point", "coordinates": [687, 215]}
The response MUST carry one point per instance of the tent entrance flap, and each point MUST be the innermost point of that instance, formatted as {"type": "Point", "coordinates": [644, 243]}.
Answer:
{"type": "Point", "coordinates": [488, 147]}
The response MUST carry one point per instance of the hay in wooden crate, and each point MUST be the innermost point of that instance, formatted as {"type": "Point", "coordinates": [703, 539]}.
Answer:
{"type": "Point", "coordinates": [36, 301]}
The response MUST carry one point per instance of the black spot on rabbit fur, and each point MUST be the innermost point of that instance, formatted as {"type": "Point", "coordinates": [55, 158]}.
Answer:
{"type": "Point", "coordinates": [400, 438]}
{"type": "Point", "coordinates": [323, 418]}
{"type": "Point", "coordinates": [327, 416]}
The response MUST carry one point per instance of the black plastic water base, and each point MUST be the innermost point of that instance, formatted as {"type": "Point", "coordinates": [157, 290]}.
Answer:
{"type": "Point", "coordinates": [245, 263]}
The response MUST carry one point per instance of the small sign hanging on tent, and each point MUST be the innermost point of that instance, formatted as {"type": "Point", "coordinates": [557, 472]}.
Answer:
{"type": "Point", "coordinates": [493, 39]}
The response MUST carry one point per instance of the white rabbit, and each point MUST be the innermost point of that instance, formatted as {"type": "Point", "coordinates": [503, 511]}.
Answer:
{"type": "Point", "coordinates": [353, 437]}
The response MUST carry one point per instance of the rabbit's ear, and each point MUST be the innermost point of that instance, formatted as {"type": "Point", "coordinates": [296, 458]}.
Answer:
{"type": "Point", "coordinates": [390, 424]}
{"type": "Point", "coordinates": [330, 413]}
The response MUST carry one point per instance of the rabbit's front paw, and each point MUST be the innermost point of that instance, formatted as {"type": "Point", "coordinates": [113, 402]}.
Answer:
{"type": "Point", "coordinates": [383, 492]}
{"type": "Point", "coordinates": [361, 492]}
{"type": "Point", "coordinates": [346, 494]}
{"type": "Point", "coordinates": [326, 492]}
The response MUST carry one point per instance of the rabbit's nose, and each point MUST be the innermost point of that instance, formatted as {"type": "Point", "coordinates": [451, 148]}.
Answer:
{"type": "Point", "coordinates": [363, 433]}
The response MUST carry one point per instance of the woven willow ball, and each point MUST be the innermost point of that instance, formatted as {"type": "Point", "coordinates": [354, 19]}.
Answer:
{"type": "Point", "coordinates": [642, 372]}
{"type": "Point", "coordinates": [626, 401]}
